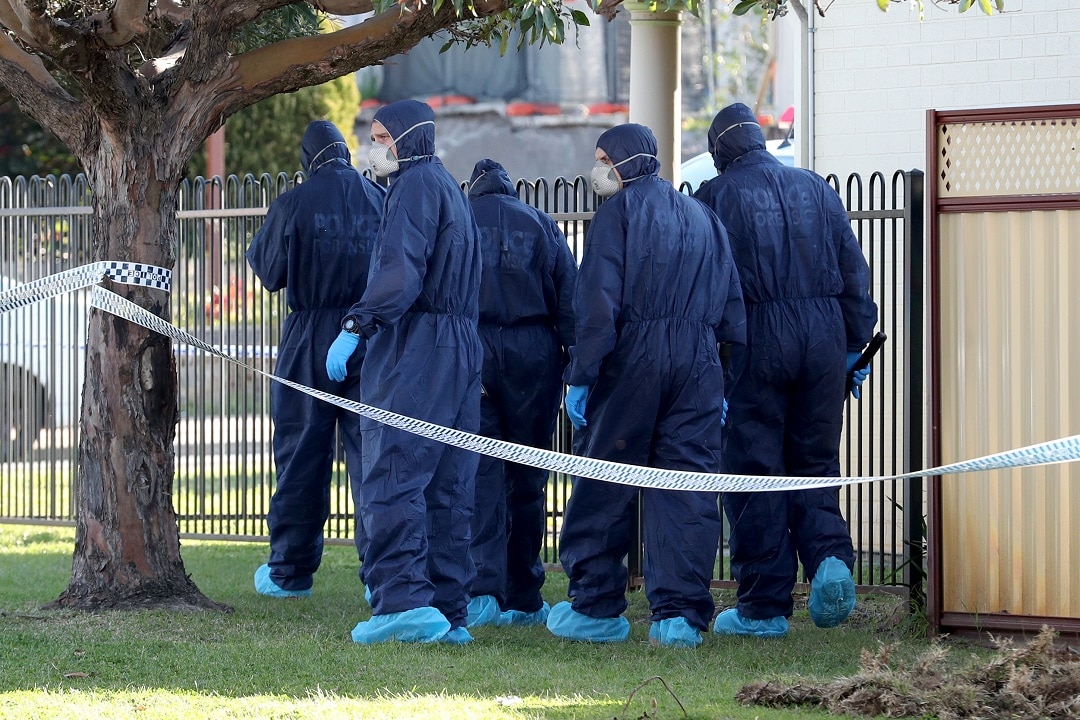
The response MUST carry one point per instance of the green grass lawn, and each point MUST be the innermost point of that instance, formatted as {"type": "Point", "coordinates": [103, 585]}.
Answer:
{"type": "Point", "coordinates": [294, 658]}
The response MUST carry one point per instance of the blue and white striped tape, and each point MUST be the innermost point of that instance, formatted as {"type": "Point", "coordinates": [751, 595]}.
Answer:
{"type": "Point", "coordinates": [1047, 453]}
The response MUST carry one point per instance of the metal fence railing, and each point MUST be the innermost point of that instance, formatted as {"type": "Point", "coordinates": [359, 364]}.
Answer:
{"type": "Point", "coordinates": [224, 469]}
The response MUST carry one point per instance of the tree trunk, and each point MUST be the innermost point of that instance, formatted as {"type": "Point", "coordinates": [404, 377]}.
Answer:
{"type": "Point", "coordinates": [127, 542]}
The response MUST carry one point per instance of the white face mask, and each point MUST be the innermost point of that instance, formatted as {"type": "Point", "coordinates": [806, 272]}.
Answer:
{"type": "Point", "coordinates": [381, 157]}
{"type": "Point", "coordinates": [604, 181]}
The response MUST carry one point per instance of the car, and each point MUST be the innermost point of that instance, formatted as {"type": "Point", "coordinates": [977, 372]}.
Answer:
{"type": "Point", "coordinates": [700, 168]}
{"type": "Point", "coordinates": [42, 354]}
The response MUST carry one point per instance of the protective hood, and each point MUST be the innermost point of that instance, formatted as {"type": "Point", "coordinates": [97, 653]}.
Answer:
{"type": "Point", "coordinates": [729, 140]}
{"type": "Point", "coordinates": [400, 116]}
{"type": "Point", "coordinates": [625, 141]}
{"type": "Point", "coordinates": [322, 143]}
{"type": "Point", "coordinates": [490, 178]}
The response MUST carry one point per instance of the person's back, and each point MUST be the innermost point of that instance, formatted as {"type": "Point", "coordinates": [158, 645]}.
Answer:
{"type": "Point", "coordinates": [805, 283]}
{"type": "Point", "coordinates": [789, 233]}
{"type": "Point", "coordinates": [674, 268]}
{"type": "Point", "coordinates": [423, 361]}
{"type": "Point", "coordinates": [316, 245]}
{"type": "Point", "coordinates": [526, 324]}
{"type": "Point", "coordinates": [657, 290]}
{"type": "Point", "coordinates": [808, 311]}
{"type": "Point", "coordinates": [525, 257]}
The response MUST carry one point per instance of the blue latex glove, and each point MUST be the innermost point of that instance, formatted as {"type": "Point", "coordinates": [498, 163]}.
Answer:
{"type": "Point", "coordinates": [336, 359]}
{"type": "Point", "coordinates": [576, 396]}
{"type": "Point", "coordinates": [723, 415]}
{"type": "Point", "coordinates": [858, 377]}
{"type": "Point", "coordinates": [852, 358]}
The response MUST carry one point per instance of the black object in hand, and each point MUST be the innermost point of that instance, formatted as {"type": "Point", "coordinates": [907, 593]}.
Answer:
{"type": "Point", "coordinates": [866, 356]}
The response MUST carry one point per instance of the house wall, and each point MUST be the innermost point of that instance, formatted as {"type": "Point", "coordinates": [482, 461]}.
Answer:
{"type": "Point", "coordinates": [876, 73]}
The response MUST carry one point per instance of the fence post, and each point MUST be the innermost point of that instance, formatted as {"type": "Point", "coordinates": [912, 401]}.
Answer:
{"type": "Point", "coordinates": [914, 305]}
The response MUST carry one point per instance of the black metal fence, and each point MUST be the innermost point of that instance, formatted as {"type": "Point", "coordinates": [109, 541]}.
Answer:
{"type": "Point", "coordinates": [224, 469]}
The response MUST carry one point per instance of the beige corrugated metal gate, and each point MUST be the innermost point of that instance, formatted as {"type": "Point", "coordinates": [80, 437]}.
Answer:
{"type": "Point", "coordinates": [1004, 187]}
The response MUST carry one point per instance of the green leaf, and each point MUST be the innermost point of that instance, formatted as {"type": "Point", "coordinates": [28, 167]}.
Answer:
{"type": "Point", "coordinates": [984, 5]}
{"type": "Point", "coordinates": [965, 4]}
{"type": "Point", "coordinates": [447, 46]}
{"type": "Point", "coordinates": [528, 11]}
{"type": "Point", "coordinates": [1000, 5]}
{"type": "Point", "coordinates": [547, 17]}
{"type": "Point", "coordinates": [581, 18]}
{"type": "Point", "coordinates": [744, 7]}
{"type": "Point", "coordinates": [883, 5]}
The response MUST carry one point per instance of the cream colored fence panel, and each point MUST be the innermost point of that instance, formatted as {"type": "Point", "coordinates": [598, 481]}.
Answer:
{"type": "Point", "coordinates": [1009, 359]}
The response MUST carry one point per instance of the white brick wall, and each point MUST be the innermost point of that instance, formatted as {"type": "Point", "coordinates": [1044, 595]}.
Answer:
{"type": "Point", "coordinates": [877, 73]}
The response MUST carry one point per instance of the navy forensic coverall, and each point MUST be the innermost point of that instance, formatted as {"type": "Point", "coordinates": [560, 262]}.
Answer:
{"type": "Point", "coordinates": [657, 290]}
{"type": "Point", "coordinates": [419, 315]}
{"type": "Point", "coordinates": [316, 244]}
{"type": "Point", "coordinates": [806, 286]}
{"type": "Point", "coordinates": [526, 325]}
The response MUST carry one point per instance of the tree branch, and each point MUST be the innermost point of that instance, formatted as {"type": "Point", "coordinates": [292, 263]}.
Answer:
{"type": "Point", "coordinates": [171, 10]}
{"type": "Point", "coordinates": [607, 8]}
{"type": "Point", "coordinates": [27, 26]}
{"type": "Point", "coordinates": [125, 20]}
{"type": "Point", "coordinates": [29, 64]}
{"type": "Point", "coordinates": [289, 65]}
{"type": "Point", "coordinates": [343, 7]}
{"type": "Point", "coordinates": [234, 13]}
{"type": "Point", "coordinates": [39, 95]}
{"type": "Point", "coordinates": [154, 68]}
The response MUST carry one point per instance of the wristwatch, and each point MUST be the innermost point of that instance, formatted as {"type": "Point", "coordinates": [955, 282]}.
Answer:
{"type": "Point", "coordinates": [351, 325]}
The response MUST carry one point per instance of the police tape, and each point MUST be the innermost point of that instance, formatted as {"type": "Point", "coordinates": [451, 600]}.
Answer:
{"type": "Point", "coordinates": [1047, 453]}
{"type": "Point", "coordinates": [83, 276]}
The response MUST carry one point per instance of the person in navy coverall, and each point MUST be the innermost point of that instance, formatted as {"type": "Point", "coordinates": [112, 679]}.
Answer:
{"type": "Point", "coordinates": [526, 326]}
{"type": "Point", "coordinates": [657, 293]}
{"type": "Point", "coordinates": [418, 314]}
{"type": "Point", "coordinates": [316, 245]}
{"type": "Point", "coordinates": [808, 314]}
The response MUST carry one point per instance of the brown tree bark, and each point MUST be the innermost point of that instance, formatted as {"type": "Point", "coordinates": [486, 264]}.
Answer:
{"type": "Point", "coordinates": [127, 546]}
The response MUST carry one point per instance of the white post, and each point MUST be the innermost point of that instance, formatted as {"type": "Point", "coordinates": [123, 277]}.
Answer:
{"type": "Point", "coordinates": [655, 80]}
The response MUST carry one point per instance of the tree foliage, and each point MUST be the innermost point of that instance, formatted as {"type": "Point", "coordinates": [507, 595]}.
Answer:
{"type": "Point", "coordinates": [266, 136]}
{"type": "Point", "coordinates": [27, 149]}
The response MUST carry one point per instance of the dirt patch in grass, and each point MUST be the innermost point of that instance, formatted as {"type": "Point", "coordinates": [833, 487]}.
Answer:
{"type": "Point", "coordinates": [1039, 680]}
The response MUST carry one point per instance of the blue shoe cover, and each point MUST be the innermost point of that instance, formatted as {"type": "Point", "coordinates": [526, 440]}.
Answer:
{"type": "Point", "coordinates": [521, 618]}
{"type": "Point", "coordinates": [730, 622]}
{"type": "Point", "coordinates": [565, 622]}
{"type": "Point", "coordinates": [832, 594]}
{"type": "Point", "coordinates": [419, 625]}
{"type": "Point", "coordinates": [457, 636]}
{"type": "Point", "coordinates": [367, 594]}
{"type": "Point", "coordinates": [265, 586]}
{"type": "Point", "coordinates": [483, 610]}
{"type": "Point", "coordinates": [674, 632]}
